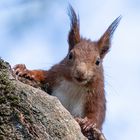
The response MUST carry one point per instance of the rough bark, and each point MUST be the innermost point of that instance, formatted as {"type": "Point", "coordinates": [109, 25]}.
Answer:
{"type": "Point", "coordinates": [28, 113]}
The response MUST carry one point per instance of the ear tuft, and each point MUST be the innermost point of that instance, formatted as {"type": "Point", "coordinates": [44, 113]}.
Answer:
{"type": "Point", "coordinates": [104, 42]}
{"type": "Point", "coordinates": [74, 33]}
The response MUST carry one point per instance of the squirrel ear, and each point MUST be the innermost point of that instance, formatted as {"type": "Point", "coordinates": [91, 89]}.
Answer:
{"type": "Point", "coordinates": [74, 33]}
{"type": "Point", "coordinates": [104, 42]}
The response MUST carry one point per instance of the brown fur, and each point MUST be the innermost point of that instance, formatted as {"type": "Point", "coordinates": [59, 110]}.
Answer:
{"type": "Point", "coordinates": [83, 67]}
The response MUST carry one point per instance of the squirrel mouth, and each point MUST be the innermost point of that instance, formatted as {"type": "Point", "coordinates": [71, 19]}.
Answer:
{"type": "Point", "coordinates": [80, 80]}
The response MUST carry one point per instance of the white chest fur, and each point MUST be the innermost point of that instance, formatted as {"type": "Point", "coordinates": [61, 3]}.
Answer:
{"type": "Point", "coordinates": [71, 96]}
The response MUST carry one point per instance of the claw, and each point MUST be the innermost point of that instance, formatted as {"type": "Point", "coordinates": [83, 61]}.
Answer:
{"type": "Point", "coordinates": [87, 124]}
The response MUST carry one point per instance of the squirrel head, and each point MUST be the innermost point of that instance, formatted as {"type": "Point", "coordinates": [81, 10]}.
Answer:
{"type": "Point", "coordinates": [85, 57]}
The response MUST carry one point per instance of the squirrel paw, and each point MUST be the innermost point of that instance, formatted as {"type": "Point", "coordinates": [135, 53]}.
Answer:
{"type": "Point", "coordinates": [21, 71]}
{"type": "Point", "coordinates": [87, 124]}
{"type": "Point", "coordinates": [89, 129]}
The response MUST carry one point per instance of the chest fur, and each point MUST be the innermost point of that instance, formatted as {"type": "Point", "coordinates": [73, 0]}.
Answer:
{"type": "Point", "coordinates": [71, 96]}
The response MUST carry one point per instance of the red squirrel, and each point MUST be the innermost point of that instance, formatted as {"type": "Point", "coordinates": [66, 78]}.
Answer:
{"type": "Point", "coordinates": [78, 80]}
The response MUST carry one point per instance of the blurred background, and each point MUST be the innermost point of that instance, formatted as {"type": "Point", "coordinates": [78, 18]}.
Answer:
{"type": "Point", "coordinates": [34, 32]}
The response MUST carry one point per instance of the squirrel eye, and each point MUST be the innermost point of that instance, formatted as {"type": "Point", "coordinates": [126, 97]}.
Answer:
{"type": "Point", "coordinates": [97, 61]}
{"type": "Point", "coordinates": [70, 56]}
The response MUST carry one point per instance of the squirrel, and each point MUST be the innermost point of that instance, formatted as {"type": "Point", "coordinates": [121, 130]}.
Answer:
{"type": "Point", "coordinates": [78, 80]}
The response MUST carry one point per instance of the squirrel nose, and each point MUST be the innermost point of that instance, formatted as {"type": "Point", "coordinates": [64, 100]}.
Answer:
{"type": "Point", "coordinates": [79, 76]}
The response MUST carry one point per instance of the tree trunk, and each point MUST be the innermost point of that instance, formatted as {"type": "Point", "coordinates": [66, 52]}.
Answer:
{"type": "Point", "coordinates": [28, 113]}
